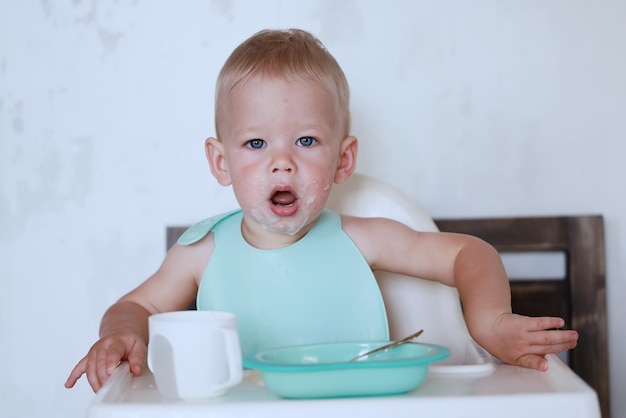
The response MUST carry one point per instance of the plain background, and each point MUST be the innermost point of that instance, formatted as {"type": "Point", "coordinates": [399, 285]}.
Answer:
{"type": "Point", "coordinates": [473, 108]}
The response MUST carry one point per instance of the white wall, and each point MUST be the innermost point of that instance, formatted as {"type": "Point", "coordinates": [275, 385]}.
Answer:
{"type": "Point", "coordinates": [474, 108]}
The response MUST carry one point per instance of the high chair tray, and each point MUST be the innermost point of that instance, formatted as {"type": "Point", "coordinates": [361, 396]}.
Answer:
{"type": "Point", "coordinates": [510, 390]}
{"type": "Point", "coordinates": [467, 358]}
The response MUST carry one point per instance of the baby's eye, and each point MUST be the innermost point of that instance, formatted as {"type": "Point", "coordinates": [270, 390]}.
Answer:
{"type": "Point", "coordinates": [306, 141]}
{"type": "Point", "coordinates": [255, 143]}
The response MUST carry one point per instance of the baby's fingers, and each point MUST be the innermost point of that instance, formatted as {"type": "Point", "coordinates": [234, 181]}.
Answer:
{"type": "Point", "coordinates": [98, 363]}
{"type": "Point", "coordinates": [560, 340]}
{"type": "Point", "coordinates": [106, 363]}
{"type": "Point", "coordinates": [533, 361]}
{"type": "Point", "coordinates": [137, 358]}
{"type": "Point", "coordinates": [545, 323]}
{"type": "Point", "coordinates": [547, 342]}
{"type": "Point", "coordinates": [76, 373]}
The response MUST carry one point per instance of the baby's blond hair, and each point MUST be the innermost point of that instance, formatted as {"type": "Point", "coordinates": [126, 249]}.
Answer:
{"type": "Point", "coordinates": [292, 54]}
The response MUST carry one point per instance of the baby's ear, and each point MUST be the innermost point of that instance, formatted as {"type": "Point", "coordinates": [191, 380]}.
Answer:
{"type": "Point", "coordinates": [347, 159]}
{"type": "Point", "coordinates": [214, 150]}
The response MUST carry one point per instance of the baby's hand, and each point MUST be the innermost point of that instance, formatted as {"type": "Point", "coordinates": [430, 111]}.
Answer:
{"type": "Point", "coordinates": [105, 355]}
{"type": "Point", "coordinates": [524, 341]}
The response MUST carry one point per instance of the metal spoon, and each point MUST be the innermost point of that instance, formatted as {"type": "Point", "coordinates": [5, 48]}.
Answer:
{"type": "Point", "coordinates": [393, 344]}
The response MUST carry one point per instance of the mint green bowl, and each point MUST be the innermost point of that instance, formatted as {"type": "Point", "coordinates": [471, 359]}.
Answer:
{"type": "Point", "coordinates": [325, 370]}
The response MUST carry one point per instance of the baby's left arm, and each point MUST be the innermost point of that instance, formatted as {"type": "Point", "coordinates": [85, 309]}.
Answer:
{"type": "Point", "coordinates": [485, 292]}
{"type": "Point", "coordinates": [475, 268]}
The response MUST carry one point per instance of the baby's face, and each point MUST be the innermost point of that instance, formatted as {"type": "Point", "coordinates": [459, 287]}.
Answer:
{"type": "Point", "coordinates": [282, 144]}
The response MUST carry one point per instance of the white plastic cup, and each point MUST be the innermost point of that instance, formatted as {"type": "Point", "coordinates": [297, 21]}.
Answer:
{"type": "Point", "coordinates": [194, 354]}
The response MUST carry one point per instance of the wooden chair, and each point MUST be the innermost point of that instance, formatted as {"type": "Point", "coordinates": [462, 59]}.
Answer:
{"type": "Point", "coordinates": [579, 297]}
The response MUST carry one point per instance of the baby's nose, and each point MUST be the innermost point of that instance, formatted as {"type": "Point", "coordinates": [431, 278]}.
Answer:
{"type": "Point", "coordinates": [282, 167]}
{"type": "Point", "coordinates": [282, 162]}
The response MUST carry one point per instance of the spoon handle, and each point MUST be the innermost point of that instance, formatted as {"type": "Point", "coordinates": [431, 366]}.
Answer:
{"type": "Point", "coordinates": [393, 344]}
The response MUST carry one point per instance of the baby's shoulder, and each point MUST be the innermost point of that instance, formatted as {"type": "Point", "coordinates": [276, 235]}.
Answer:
{"type": "Point", "coordinates": [363, 227]}
{"type": "Point", "coordinates": [373, 230]}
{"type": "Point", "coordinates": [358, 222]}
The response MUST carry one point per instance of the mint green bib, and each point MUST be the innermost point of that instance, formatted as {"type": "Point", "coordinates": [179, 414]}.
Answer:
{"type": "Point", "coordinates": [319, 289]}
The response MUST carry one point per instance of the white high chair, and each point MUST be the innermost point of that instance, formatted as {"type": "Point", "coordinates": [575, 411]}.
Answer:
{"type": "Point", "coordinates": [411, 303]}
{"type": "Point", "coordinates": [459, 387]}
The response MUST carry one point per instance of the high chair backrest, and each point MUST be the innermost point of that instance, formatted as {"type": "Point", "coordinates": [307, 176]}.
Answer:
{"type": "Point", "coordinates": [411, 304]}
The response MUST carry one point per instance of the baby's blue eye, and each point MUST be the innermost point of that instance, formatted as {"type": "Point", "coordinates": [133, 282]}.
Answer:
{"type": "Point", "coordinates": [256, 143]}
{"type": "Point", "coordinates": [306, 141]}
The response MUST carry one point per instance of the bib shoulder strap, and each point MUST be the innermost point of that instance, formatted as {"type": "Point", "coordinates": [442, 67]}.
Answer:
{"type": "Point", "coordinates": [200, 229]}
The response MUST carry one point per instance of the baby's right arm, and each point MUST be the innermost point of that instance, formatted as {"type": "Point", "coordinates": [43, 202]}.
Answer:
{"type": "Point", "coordinates": [124, 326]}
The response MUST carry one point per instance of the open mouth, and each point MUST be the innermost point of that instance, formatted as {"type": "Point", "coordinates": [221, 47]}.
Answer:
{"type": "Point", "coordinates": [283, 198]}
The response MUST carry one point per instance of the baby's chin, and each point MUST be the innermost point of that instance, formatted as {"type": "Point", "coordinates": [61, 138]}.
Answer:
{"type": "Point", "coordinates": [291, 226]}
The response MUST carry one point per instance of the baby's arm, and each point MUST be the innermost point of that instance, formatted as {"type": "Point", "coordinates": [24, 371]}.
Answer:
{"type": "Point", "coordinates": [124, 326]}
{"type": "Point", "coordinates": [475, 268]}
{"type": "Point", "coordinates": [485, 292]}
